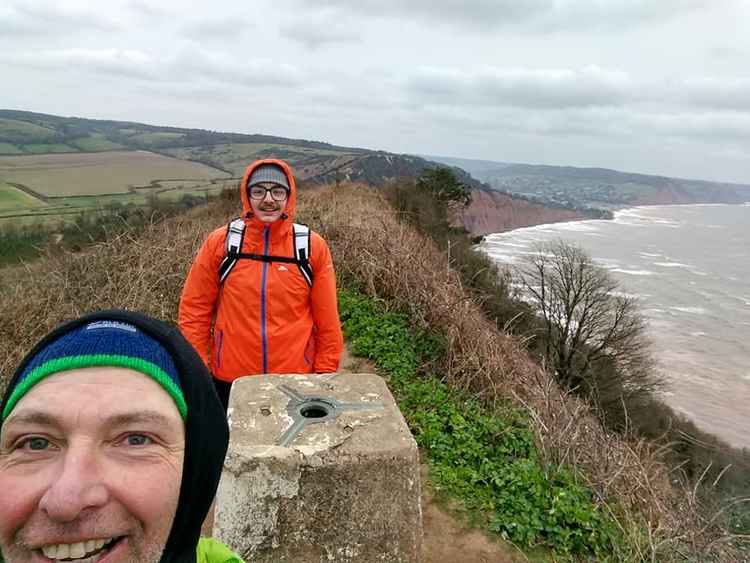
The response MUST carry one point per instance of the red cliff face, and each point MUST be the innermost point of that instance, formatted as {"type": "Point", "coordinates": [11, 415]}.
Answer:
{"type": "Point", "coordinates": [493, 212]}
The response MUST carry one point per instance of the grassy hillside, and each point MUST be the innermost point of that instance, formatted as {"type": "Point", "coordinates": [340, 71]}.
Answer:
{"type": "Point", "coordinates": [26, 132]}
{"type": "Point", "coordinates": [56, 157]}
{"type": "Point", "coordinates": [621, 480]}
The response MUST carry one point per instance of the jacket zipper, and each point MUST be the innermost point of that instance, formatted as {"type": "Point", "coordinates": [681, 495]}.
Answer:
{"type": "Point", "coordinates": [263, 338]}
{"type": "Point", "coordinates": [219, 342]}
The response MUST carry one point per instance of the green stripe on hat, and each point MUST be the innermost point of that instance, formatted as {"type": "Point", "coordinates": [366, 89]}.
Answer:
{"type": "Point", "coordinates": [97, 360]}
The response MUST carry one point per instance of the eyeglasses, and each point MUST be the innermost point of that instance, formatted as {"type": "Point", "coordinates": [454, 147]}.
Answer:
{"type": "Point", "coordinates": [278, 193]}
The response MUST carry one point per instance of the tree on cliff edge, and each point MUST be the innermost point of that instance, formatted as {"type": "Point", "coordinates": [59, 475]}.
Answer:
{"type": "Point", "coordinates": [444, 186]}
{"type": "Point", "coordinates": [593, 335]}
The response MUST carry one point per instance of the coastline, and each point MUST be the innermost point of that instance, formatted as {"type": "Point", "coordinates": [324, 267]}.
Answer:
{"type": "Point", "coordinates": [617, 213]}
{"type": "Point", "coordinates": [706, 391]}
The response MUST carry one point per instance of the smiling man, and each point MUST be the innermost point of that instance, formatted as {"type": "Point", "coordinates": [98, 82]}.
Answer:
{"type": "Point", "coordinates": [264, 287]}
{"type": "Point", "coordinates": [112, 440]}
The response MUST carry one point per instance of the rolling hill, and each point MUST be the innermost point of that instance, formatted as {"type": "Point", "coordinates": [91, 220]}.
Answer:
{"type": "Point", "coordinates": [601, 188]}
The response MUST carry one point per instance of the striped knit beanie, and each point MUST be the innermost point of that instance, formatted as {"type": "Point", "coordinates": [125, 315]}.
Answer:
{"type": "Point", "coordinates": [100, 343]}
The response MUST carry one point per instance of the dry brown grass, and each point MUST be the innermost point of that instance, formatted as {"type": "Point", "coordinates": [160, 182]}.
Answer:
{"type": "Point", "coordinates": [389, 260]}
{"type": "Point", "coordinates": [144, 274]}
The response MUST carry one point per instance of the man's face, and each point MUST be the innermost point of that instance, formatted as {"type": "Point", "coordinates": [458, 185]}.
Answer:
{"type": "Point", "coordinates": [267, 208]}
{"type": "Point", "coordinates": [90, 469]}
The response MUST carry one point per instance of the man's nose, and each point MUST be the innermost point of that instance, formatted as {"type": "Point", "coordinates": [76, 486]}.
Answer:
{"type": "Point", "coordinates": [267, 196]}
{"type": "Point", "coordinates": [79, 485]}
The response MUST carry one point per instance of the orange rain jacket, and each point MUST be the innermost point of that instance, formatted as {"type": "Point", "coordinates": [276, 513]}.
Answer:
{"type": "Point", "coordinates": [268, 320]}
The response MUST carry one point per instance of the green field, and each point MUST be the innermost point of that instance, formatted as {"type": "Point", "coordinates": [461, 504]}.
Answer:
{"type": "Point", "coordinates": [7, 148]}
{"type": "Point", "coordinates": [47, 148]}
{"type": "Point", "coordinates": [156, 138]}
{"type": "Point", "coordinates": [24, 132]}
{"type": "Point", "coordinates": [235, 157]}
{"type": "Point", "coordinates": [99, 173]}
{"type": "Point", "coordinates": [13, 199]}
{"type": "Point", "coordinates": [66, 209]}
{"type": "Point", "coordinates": [73, 183]}
{"type": "Point", "coordinates": [95, 143]}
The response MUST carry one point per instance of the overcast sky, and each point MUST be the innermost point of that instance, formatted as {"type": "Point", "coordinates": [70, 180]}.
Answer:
{"type": "Point", "coordinates": [654, 86]}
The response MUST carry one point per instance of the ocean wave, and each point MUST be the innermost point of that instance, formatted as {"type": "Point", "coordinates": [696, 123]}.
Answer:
{"type": "Point", "coordinates": [511, 244]}
{"type": "Point", "coordinates": [626, 295]}
{"type": "Point", "coordinates": [650, 255]}
{"type": "Point", "coordinates": [691, 310]}
{"type": "Point", "coordinates": [607, 262]}
{"type": "Point", "coordinates": [578, 226]}
{"type": "Point", "coordinates": [632, 272]}
{"type": "Point", "coordinates": [501, 257]}
{"type": "Point", "coordinates": [634, 219]}
{"type": "Point", "coordinates": [671, 265]}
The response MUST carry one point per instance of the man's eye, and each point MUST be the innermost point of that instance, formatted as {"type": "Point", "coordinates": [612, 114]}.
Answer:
{"type": "Point", "coordinates": [35, 444]}
{"type": "Point", "coordinates": [137, 440]}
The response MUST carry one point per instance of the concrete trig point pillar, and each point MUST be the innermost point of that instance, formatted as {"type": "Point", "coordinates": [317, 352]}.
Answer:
{"type": "Point", "coordinates": [319, 468]}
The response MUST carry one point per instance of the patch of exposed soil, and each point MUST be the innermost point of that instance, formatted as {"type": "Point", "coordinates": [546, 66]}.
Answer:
{"type": "Point", "coordinates": [447, 539]}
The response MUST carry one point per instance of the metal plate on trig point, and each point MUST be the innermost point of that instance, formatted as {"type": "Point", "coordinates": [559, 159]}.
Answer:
{"type": "Point", "coordinates": [314, 409]}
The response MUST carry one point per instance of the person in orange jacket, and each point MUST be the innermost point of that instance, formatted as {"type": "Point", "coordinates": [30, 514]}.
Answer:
{"type": "Point", "coordinates": [271, 312]}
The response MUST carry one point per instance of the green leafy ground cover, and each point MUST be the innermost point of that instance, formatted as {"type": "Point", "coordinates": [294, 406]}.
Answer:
{"type": "Point", "coordinates": [486, 459]}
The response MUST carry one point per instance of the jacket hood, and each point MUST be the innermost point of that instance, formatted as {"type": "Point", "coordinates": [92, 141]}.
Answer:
{"type": "Point", "coordinates": [206, 430]}
{"type": "Point", "coordinates": [291, 204]}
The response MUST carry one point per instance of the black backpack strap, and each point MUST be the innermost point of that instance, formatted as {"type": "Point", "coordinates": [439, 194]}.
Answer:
{"type": "Point", "coordinates": [302, 251]}
{"type": "Point", "coordinates": [233, 246]}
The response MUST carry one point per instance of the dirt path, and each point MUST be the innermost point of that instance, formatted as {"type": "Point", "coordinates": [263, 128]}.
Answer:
{"type": "Point", "coordinates": [447, 539]}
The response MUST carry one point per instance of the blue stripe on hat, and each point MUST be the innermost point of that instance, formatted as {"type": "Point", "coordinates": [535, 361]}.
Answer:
{"type": "Point", "coordinates": [102, 343]}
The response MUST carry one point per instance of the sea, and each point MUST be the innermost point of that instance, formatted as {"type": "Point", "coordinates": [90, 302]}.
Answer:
{"type": "Point", "coordinates": [689, 266]}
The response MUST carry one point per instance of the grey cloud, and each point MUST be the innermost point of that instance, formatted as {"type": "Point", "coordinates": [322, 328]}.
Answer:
{"type": "Point", "coordinates": [188, 65]}
{"type": "Point", "coordinates": [317, 31]}
{"type": "Point", "coordinates": [260, 73]}
{"type": "Point", "coordinates": [115, 62]}
{"type": "Point", "coordinates": [488, 86]}
{"type": "Point", "coordinates": [541, 15]}
{"type": "Point", "coordinates": [718, 93]}
{"type": "Point", "coordinates": [724, 126]}
{"type": "Point", "coordinates": [475, 13]}
{"type": "Point", "coordinates": [150, 10]}
{"type": "Point", "coordinates": [606, 124]}
{"type": "Point", "coordinates": [222, 27]}
{"type": "Point", "coordinates": [44, 17]}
